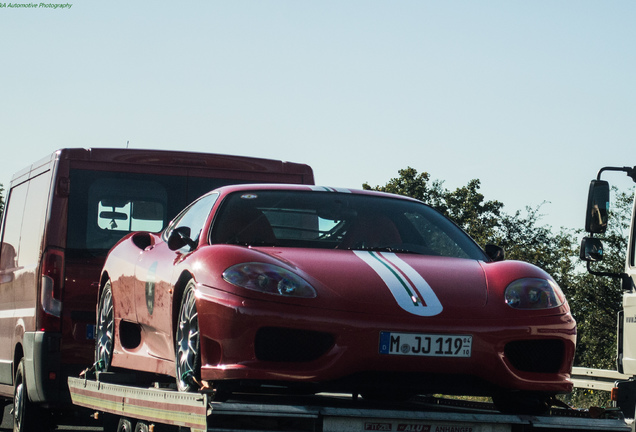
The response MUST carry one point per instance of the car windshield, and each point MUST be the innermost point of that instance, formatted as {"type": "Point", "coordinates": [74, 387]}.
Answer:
{"type": "Point", "coordinates": [336, 220]}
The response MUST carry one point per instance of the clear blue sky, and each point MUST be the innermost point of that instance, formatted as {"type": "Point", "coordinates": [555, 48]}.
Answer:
{"type": "Point", "coordinates": [531, 97]}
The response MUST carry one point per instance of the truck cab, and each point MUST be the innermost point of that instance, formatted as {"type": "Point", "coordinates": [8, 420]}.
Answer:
{"type": "Point", "coordinates": [596, 223]}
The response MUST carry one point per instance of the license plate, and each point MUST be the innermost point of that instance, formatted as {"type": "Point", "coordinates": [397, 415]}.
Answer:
{"type": "Point", "coordinates": [90, 331]}
{"type": "Point", "coordinates": [427, 345]}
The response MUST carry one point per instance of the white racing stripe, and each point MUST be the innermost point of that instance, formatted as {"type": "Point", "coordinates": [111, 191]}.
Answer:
{"type": "Point", "coordinates": [329, 189]}
{"type": "Point", "coordinates": [409, 288]}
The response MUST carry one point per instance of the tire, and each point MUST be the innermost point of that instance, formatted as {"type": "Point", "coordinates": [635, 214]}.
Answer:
{"type": "Point", "coordinates": [187, 342]}
{"type": "Point", "coordinates": [526, 403]}
{"type": "Point", "coordinates": [105, 333]}
{"type": "Point", "coordinates": [27, 417]}
{"type": "Point", "coordinates": [141, 427]}
{"type": "Point", "coordinates": [124, 425]}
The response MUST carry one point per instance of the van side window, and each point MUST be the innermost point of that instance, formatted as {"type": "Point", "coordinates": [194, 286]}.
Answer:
{"type": "Point", "coordinates": [34, 218]}
{"type": "Point", "coordinates": [24, 226]}
{"type": "Point", "coordinates": [12, 227]}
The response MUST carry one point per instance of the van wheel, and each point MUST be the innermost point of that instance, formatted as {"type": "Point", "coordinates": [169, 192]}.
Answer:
{"type": "Point", "coordinates": [188, 357]}
{"type": "Point", "coordinates": [104, 340]}
{"type": "Point", "coordinates": [27, 417]}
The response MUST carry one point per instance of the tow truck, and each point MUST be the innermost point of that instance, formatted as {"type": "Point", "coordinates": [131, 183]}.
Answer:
{"type": "Point", "coordinates": [122, 405]}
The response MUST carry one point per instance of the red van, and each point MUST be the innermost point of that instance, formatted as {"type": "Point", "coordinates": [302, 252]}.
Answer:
{"type": "Point", "coordinates": [62, 215]}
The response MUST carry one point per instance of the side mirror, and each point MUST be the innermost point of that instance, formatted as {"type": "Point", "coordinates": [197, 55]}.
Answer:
{"type": "Point", "coordinates": [591, 249]}
{"type": "Point", "coordinates": [180, 237]}
{"type": "Point", "coordinates": [597, 207]}
{"type": "Point", "coordinates": [495, 253]}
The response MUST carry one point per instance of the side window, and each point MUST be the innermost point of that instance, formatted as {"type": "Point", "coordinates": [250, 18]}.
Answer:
{"type": "Point", "coordinates": [12, 227]}
{"type": "Point", "coordinates": [193, 218]}
{"type": "Point", "coordinates": [24, 226]}
{"type": "Point", "coordinates": [34, 219]}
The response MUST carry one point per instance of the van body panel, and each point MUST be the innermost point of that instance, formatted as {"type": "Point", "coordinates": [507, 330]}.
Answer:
{"type": "Point", "coordinates": [74, 205]}
{"type": "Point", "coordinates": [42, 357]}
{"type": "Point", "coordinates": [22, 242]}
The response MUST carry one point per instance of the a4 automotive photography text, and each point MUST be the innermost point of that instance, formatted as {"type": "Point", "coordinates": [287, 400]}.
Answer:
{"type": "Point", "coordinates": [36, 5]}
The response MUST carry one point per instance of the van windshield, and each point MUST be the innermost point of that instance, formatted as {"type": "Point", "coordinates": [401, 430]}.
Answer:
{"type": "Point", "coordinates": [104, 206]}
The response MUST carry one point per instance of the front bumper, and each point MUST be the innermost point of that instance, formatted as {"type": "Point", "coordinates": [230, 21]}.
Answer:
{"type": "Point", "coordinates": [273, 343]}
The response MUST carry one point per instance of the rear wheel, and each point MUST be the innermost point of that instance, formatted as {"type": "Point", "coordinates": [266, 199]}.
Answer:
{"type": "Point", "coordinates": [188, 358]}
{"type": "Point", "coordinates": [104, 340]}
{"type": "Point", "coordinates": [141, 427]}
{"type": "Point", "coordinates": [27, 417]}
{"type": "Point", "coordinates": [125, 425]}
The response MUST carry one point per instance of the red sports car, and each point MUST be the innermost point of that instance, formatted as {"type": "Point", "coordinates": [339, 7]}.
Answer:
{"type": "Point", "coordinates": [310, 289]}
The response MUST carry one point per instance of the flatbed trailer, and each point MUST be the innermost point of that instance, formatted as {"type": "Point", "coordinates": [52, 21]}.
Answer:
{"type": "Point", "coordinates": [157, 409]}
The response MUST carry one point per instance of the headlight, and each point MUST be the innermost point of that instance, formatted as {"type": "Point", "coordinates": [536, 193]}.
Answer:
{"type": "Point", "coordinates": [533, 293]}
{"type": "Point", "coordinates": [268, 278]}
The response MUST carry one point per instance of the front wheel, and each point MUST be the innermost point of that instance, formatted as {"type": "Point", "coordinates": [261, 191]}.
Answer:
{"type": "Point", "coordinates": [105, 336]}
{"type": "Point", "coordinates": [188, 357]}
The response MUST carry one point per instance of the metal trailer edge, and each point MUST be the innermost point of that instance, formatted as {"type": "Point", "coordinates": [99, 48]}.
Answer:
{"type": "Point", "coordinates": [199, 413]}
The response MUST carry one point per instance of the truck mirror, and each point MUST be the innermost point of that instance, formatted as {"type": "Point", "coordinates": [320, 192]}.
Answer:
{"type": "Point", "coordinates": [597, 207]}
{"type": "Point", "coordinates": [591, 249]}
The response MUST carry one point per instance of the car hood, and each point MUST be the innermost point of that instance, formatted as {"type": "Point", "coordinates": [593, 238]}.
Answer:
{"type": "Point", "coordinates": [388, 283]}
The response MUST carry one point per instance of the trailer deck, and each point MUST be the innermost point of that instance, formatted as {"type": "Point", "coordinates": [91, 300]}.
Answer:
{"type": "Point", "coordinates": [317, 413]}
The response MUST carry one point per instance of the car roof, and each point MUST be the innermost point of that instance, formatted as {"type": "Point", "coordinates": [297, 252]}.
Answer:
{"type": "Point", "coordinates": [306, 188]}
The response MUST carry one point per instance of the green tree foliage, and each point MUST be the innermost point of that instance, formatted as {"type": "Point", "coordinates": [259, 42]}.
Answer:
{"type": "Point", "coordinates": [594, 300]}
{"type": "Point", "coordinates": [465, 206]}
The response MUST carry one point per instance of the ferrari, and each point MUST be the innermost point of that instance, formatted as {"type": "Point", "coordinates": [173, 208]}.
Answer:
{"type": "Point", "coordinates": [297, 288]}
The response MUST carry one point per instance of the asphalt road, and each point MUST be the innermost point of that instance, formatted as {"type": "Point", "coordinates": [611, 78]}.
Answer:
{"type": "Point", "coordinates": [7, 424]}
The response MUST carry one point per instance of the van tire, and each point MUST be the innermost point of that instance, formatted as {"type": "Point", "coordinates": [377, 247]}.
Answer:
{"type": "Point", "coordinates": [27, 417]}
